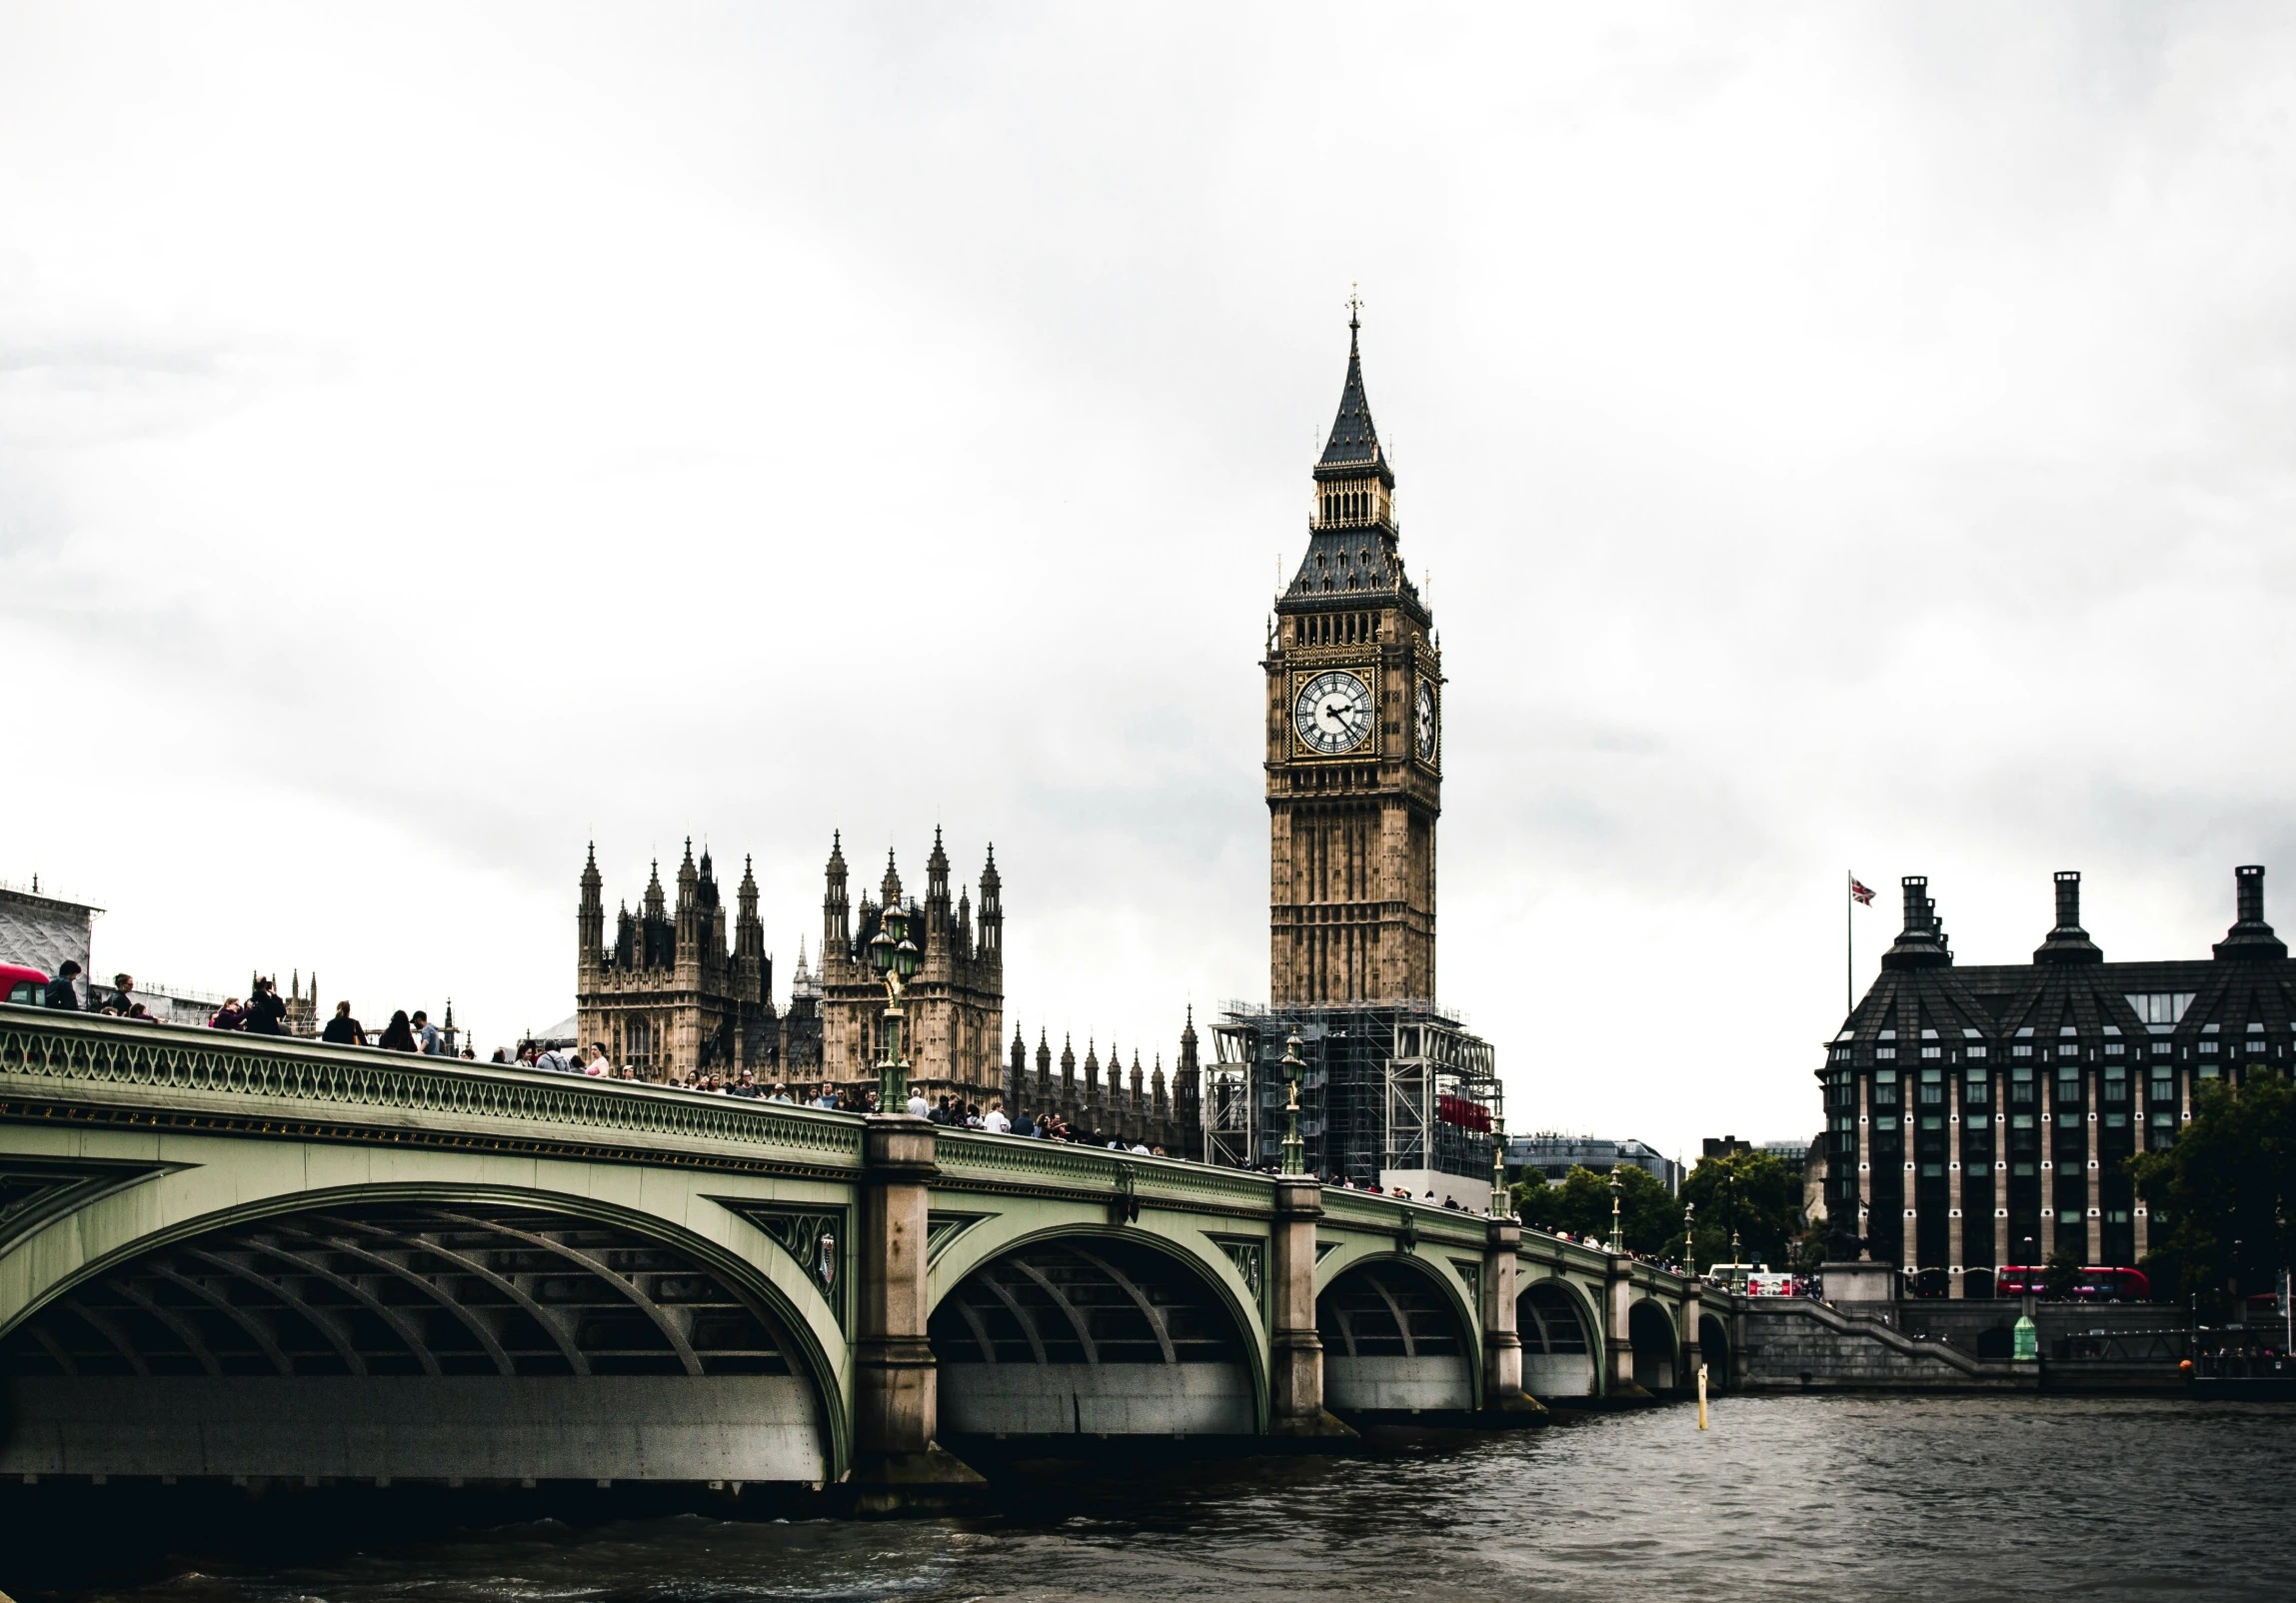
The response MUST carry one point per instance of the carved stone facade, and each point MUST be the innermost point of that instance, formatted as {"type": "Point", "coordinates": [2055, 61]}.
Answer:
{"type": "Point", "coordinates": [1354, 741]}
{"type": "Point", "coordinates": [956, 1004]}
{"type": "Point", "coordinates": [671, 996]}
{"type": "Point", "coordinates": [1124, 1105]}
{"type": "Point", "coordinates": [801, 1026]}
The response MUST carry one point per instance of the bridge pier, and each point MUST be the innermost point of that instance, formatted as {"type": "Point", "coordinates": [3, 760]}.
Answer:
{"type": "Point", "coordinates": [1502, 1391]}
{"type": "Point", "coordinates": [1693, 1348]}
{"type": "Point", "coordinates": [1295, 1352]}
{"type": "Point", "coordinates": [1617, 1346]}
{"type": "Point", "coordinates": [898, 1464]}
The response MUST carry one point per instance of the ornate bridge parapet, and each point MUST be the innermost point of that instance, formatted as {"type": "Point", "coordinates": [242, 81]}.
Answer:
{"type": "Point", "coordinates": [224, 1255]}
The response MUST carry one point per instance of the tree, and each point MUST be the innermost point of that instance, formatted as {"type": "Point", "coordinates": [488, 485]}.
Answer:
{"type": "Point", "coordinates": [2060, 1272]}
{"type": "Point", "coordinates": [1757, 1195]}
{"type": "Point", "coordinates": [1651, 1220]}
{"type": "Point", "coordinates": [2223, 1197]}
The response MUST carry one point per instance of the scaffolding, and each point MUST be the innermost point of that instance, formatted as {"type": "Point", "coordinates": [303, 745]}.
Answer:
{"type": "Point", "coordinates": [1390, 1093]}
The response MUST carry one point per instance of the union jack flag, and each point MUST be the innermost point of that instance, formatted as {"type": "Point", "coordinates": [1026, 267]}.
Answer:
{"type": "Point", "coordinates": [1862, 895]}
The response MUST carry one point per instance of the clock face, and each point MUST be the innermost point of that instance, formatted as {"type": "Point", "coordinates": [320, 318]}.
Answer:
{"type": "Point", "coordinates": [1425, 710]}
{"type": "Point", "coordinates": [1333, 713]}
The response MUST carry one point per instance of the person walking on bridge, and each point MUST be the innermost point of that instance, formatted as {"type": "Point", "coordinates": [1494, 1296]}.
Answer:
{"type": "Point", "coordinates": [343, 1030]}
{"type": "Point", "coordinates": [398, 1035]}
{"type": "Point", "coordinates": [265, 1010]}
{"type": "Point", "coordinates": [434, 1045]}
{"type": "Point", "coordinates": [60, 992]}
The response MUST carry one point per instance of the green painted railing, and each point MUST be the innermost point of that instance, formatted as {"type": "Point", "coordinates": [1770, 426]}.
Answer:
{"type": "Point", "coordinates": [59, 1055]}
{"type": "Point", "coordinates": [1009, 1159]}
{"type": "Point", "coordinates": [51, 1056]}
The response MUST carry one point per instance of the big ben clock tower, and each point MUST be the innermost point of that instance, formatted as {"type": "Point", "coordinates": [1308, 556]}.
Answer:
{"type": "Point", "coordinates": [1354, 740]}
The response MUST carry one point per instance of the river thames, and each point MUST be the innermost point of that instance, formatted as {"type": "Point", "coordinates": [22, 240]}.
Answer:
{"type": "Point", "coordinates": [1786, 1497]}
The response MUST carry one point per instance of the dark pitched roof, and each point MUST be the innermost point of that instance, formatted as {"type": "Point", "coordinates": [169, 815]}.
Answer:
{"type": "Point", "coordinates": [2069, 983]}
{"type": "Point", "coordinates": [1353, 449]}
{"type": "Point", "coordinates": [1351, 564]}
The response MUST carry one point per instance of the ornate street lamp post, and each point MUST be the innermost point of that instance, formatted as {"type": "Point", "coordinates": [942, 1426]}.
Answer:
{"type": "Point", "coordinates": [1689, 1256]}
{"type": "Point", "coordinates": [1617, 1239]}
{"type": "Point", "coordinates": [1294, 1152]}
{"type": "Point", "coordinates": [894, 956]}
{"type": "Point", "coordinates": [1502, 1203]}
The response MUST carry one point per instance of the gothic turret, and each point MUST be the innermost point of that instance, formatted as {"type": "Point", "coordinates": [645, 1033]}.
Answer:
{"type": "Point", "coordinates": [889, 887]}
{"type": "Point", "coordinates": [1043, 1064]}
{"type": "Point", "coordinates": [590, 918]}
{"type": "Point", "coordinates": [836, 910]}
{"type": "Point", "coordinates": [654, 904]}
{"type": "Point", "coordinates": [691, 914]}
{"type": "Point", "coordinates": [937, 924]}
{"type": "Point", "coordinates": [749, 929]}
{"type": "Point", "coordinates": [992, 910]}
{"type": "Point", "coordinates": [1187, 1077]}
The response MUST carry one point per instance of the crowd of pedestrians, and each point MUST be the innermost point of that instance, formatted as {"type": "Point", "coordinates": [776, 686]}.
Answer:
{"type": "Point", "coordinates": [120, 1001]}
{"type": "Point", "coordinates": [947, 1110]}
{"type": "Point", "coordinates": [262, 1014]}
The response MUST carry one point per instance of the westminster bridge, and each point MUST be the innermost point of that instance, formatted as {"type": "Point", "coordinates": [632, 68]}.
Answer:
{"type": "Point", "coordinates": [255, 1258]}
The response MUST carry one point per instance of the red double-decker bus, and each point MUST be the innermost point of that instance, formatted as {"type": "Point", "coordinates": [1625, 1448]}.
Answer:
{"type": "Point", "coordinates": [2095, 1282]}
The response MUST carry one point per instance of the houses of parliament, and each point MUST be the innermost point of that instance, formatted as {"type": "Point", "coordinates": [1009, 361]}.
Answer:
{"type": "Point", "coordinates": [679, 993]}
{"type": "Point", "coordinates": [1353, 770]}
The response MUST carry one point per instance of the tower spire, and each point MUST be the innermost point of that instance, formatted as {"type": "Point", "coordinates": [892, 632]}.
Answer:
{"type": "Point", "coordinates": [1352, 448]}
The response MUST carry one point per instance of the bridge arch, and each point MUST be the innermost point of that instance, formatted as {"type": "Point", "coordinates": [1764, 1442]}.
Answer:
{"type": "Point", "coordinates": [1093, 1331]}
{"type": "Point", "coordinates": [366, 1330]}
{"type": "Point", "coordinates": [1650, 1327]}
{"type": "Point", "coordinates": [1398, 1340]}
{"type": "Point", "coordinates": [1714, 1349]}
{"type": "Point", "coordinates": [1562, 1331]}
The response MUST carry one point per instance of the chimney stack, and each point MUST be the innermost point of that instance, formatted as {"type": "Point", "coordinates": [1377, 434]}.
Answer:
{"type": "Point", "coordinates": [2250, 936]}
{"type": "Point", "coordinates": [2068, 942]}
{"type": "Point", "coordinates": [1921, 944]}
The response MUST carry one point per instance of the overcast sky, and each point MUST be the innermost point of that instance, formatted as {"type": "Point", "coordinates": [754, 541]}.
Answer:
{"type": "Point", "coordinates": [1836, 439]}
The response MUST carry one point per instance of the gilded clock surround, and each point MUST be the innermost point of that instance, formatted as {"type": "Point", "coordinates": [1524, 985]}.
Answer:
{"type": "Point", "coordinates": [1365, 673]}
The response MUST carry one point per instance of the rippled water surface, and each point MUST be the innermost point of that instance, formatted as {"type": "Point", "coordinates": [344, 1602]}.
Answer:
{"type": "Point", "coordinates": [1809, 1498]}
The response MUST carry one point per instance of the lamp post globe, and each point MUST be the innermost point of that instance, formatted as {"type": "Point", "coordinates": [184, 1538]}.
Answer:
{"type": "Point", "coordinates": [894, 956]}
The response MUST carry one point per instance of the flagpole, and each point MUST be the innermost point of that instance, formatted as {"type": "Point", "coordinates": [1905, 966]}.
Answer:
{"type": "Point", "coordinates": [1849, 944]}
